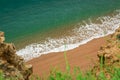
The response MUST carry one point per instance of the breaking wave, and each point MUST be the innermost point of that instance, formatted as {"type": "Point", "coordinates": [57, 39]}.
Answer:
{"type": "Point", "coordinates": [81, 35]}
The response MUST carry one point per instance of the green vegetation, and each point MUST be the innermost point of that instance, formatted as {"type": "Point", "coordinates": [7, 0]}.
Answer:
{"type": "Point", "coordinates": [107, 72]}
{"type": "Point", "coordinates": [77, 75]}
{"type": "Point", "coordinates": [118, 36]}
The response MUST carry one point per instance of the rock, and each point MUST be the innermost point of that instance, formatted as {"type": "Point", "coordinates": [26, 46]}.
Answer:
{"type": "Point", "coordinates": [107, 51]}
{"type": "Point", "coordinates": [109, 46]}
{"type": "Point", "coordinates": [110, 55]}
{"type": "Point", "coordinates": [117, 30]}
{"type": "Point", "coordinates": [108, 76]}
{"type": "Point", "coordinates": [115, 59]}
{"type": "Point", "coordinates": [11, 64]}
{"type": "Point", "coordinates": [2, 38]}
{"type": "Point", "coordinates": [111, 35]}
{"type": "Point", "coordinates": [101, 48]}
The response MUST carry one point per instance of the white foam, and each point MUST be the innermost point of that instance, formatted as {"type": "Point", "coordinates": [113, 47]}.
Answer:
{"type": "Point", "coordinates": [81, 35]}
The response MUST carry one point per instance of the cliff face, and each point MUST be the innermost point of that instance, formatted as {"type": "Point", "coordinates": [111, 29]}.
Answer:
{"type": "Point", "coordinates": [12, 65]}
{"type": "Point", "coordinates": [109, 55]}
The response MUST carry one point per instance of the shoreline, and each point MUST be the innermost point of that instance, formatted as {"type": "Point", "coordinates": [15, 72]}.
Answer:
{"type": "Point", "coordinates": [79, 35]}
{"type": "Point", "coordinates": [82, 56]}
{"type": "Point", "coordinates": [40, 37]}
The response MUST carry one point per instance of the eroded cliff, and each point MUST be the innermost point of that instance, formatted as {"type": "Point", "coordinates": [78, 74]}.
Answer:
{"type": "Point", "coordinates": [12, 65]}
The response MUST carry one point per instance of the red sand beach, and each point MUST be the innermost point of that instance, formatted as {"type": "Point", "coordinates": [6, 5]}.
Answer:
{"type": "Point", "coordinates": [83, 56]}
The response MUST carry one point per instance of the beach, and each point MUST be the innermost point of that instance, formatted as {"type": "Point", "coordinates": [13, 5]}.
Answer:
{"type": "Point", "coordinates": [40, 30]}
{"type": "Point", "coordinates": [83, 56]}
{"type": "Point", "coordinates": [52, 34]}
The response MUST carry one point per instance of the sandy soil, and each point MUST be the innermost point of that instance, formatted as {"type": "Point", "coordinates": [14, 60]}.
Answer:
{"type": "Point", "coordinates": [83, 56]}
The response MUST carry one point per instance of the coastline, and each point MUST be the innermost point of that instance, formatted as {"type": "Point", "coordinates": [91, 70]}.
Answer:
{"type": "Point", "coordinates": [83, 56]}
{"type": "Point", "coordinates": [81, 34]}
{"type": "Point", "coordinates": [63, 40]}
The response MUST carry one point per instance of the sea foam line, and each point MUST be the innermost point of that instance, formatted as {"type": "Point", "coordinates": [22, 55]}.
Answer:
{"type": "Point", "coordinates": [81, 35]}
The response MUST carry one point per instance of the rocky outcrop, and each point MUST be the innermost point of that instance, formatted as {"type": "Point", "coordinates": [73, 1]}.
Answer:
{"type": "Point", "coordinates": [12, 65]}
{"type": "Point", "coordinates": [108, 55]}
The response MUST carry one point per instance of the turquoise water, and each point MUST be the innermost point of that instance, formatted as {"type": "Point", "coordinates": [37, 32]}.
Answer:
{"type": "Point", "coordinates": [21, 18]}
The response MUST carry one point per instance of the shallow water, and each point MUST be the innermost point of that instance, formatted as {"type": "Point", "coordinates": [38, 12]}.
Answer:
{"type": "Point", "coordinates": [48, 25]}
{"type": "Point", "coordinates": [23, 18]}
{"type": "Point", "coordinates": [81, 34]}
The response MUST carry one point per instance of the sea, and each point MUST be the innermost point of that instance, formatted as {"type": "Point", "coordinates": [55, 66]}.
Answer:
{"type": "Point", "coordinates": [38, 27]}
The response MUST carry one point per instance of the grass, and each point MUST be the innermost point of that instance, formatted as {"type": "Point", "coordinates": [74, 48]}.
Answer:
{"type": "Point", "coordinates": [58, 75]}
{"type": "Point", "coordinates": [77, 74]}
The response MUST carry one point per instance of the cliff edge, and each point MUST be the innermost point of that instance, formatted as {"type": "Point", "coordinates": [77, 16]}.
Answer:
{"type": "Point", "coordinates": [109, 56]}
{"type": "Point", "coordinates": [12, 65]}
